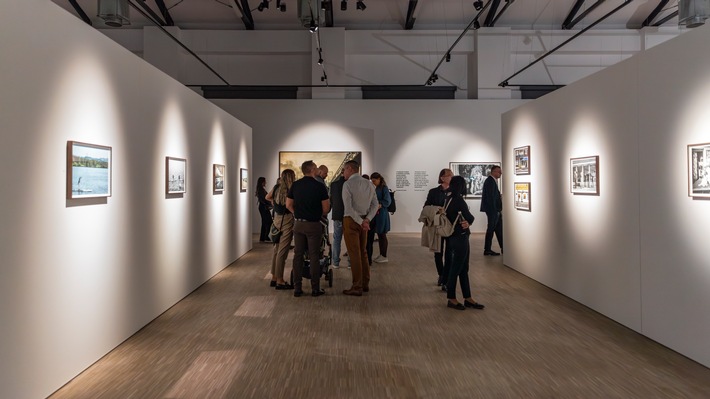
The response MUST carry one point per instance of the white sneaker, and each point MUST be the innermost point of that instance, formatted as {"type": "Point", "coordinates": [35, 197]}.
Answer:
{"type": "Point", "coordinates": [377, 258]}
{"type": "Point", "coordinates": [381, 259]}
{"type": "Point", "coordinates": [336, 266]}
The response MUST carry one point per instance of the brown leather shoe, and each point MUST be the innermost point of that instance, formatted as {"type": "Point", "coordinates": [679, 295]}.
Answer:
{"type": "Point", "coordinates": [353, 292]}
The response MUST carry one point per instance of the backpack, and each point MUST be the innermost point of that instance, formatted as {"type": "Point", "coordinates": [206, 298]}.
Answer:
{"type": "Point", "coordinates": [392, 208]}
{"type": "Point", "coordinates": [445, 227]}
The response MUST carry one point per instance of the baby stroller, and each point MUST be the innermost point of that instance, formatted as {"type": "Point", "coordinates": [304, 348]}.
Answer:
{"type": "Point", "coordinates": [324, 262]}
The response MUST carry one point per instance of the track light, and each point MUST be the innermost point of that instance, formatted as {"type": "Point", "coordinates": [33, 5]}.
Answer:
{"type": "Point", "coordinates": [320, 61]}
{"type": "Point", "coordinates": [360, 5]}
{"type": "Point", "coordinates": [476, 25]}
{"type": "Point", "coordinates": [324, 77]}
{"type": "Point", "coordinates": [264, 4]}
{"type": "Point", "coordinates": [448, 57]}
{"type": "Point", "coordinates": [280, 5]}
{"type": "Point", "coordinates": [478, 4]}
{"type": "Point", "coordinates": [343, 5]}
{"type": "Point", "coordinates": [313, 28]}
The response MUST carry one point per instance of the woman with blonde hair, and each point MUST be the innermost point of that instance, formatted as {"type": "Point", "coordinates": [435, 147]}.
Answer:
{"type": "Point", "coordinates": [283, 220]}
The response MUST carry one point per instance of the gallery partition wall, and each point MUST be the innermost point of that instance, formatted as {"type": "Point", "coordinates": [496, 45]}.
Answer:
{"type": "Point", "coordinates": [618, 192]}
{"type": "Point", "coordinates": [120, 195]}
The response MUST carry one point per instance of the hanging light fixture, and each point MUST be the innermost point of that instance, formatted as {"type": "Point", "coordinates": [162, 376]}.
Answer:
{"type": "Point", "coordinates": [114, 13]}
{"type": "Point", "coordinates": [360, 5]}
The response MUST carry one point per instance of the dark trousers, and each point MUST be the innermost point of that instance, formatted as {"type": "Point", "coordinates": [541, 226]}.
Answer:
{"type": "Point", "coordinates": [381, 241]}
{"type": "Point", "coordinates": [495, 225]}
{"type": "Point", "coordinates": [265, 223]}
{"type": "Point", "coordinates": [307, 235]}
{"type": "Point", "coordinates": [442, 260]}
{"type": "Point", "coordinates": [459, 247]}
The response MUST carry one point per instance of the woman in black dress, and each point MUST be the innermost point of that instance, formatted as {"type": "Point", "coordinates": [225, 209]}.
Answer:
{"type": "Point", "coordinates": [264, 209]}
{"type": "Point", "coordinates": [459, 214]}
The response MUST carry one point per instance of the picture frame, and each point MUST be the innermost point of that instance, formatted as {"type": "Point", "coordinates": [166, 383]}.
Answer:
{"type": "Point", "coordinates": [475, 174]}
{"type": "Point", "coordinates": [522, 160]}
{"type": "Point", "coordinates": [584, 175]}
{"type": "Point", "coordinates": [243, 180]}
{"type": "Point", "coordinates": [218, 178]}
{"type": "Point", "coordinates": [175, 175]}
{"type": "Point", "coordinates": [334, 160]}
{"type": "Point", "coordinates": [522, 196]}
{"type": "Point", "coordinates": [699, 170]}
{"type": "Point", "coordinates": [89, 170]}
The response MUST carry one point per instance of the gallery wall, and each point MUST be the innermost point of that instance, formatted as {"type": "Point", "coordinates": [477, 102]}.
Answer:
{"type": "Point", "coordinates": [637, 251]}
{"type": "Point", "coordinates": [79, 276]}
{"type": "Point", "coordinates": [395, 135]}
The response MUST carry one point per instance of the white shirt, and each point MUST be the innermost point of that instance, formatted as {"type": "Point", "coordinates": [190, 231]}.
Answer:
{"type": "Point", "coordinates": [359, 198]}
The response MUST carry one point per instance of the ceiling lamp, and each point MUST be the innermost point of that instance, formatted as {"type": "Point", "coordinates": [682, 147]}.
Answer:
{"type": "Point", "coordinates": [264, 4]}
{"type": "Point", "coordinates": [343, 5]}
{"type": "Point", "coordinates": [693, 13]}
{"type": "Point", "coordinates": [360, 5]}
{"type": "Point", "coordinates": [114, 12]}
{"type": "Point", "coordinates": [478, 4]}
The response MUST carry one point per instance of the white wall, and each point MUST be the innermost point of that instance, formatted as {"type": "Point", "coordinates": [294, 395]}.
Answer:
{"type": "Point", "coordinates": [394, 135]}
{"type": "Point", "coordinates": [78, 277]}
{"type": "Point", "coordinates": [637, 252]}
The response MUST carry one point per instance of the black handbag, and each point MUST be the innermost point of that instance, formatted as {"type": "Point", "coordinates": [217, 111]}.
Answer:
{"type": "Point", "coordinates": [275, 233]}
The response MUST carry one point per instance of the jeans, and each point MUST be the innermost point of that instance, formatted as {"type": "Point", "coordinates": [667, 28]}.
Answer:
{"type": "Point", "coordinates": [495, 225]}
{"type": "Point", "coordinates": [337, 241]}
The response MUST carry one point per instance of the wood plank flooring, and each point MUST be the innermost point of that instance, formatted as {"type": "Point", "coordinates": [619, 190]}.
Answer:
{"type": "Point", "coordinates": [235, 337]}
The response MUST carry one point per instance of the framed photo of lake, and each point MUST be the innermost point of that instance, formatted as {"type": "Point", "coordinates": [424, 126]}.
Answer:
{"type": "Point", "coordinates": [522, 196]}
{"type": "Point", "coordinates": [243, 180]}
{"type": "Point", "coordinates": [699, 170]}
{"type": "Point", "coordinates": [584, 175]}
{"type": "Point", "coordinates": [217, 178]}
{"type": "Point", "coordinates": [475, 174]}
{"type": "Point", "coordinates": [522, 160]}
{"type": "Point", "coordinates": [88, 170]}
{"type": "Point", "coordinates": [175, 175]}
{"type": "Point", "coordinates": [333, 160]}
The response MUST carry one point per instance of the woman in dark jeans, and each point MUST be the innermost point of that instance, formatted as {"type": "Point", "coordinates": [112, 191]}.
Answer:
{"type": "Point", "coordinates": [264, 209]}
{"type": "Point", "coordinates": [458, 213]}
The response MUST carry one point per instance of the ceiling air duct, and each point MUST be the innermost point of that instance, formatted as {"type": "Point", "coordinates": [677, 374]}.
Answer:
{"type": "Point", "coordinates": [114, 12]}
{"type": "Point", "coordinates": [309, 12]}
{"type": "Point", "coordinates": [693, 13]}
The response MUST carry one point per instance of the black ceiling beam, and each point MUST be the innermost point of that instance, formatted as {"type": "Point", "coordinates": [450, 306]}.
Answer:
{"type": "Point", "coordinates": [150, 12]}
{"type": "Point", "coordinates": [667, 18]}
{"type": "Point", "coordinates": [81, 12]}
{"type": "Point", "coordinates": [328, 7]}
{"type": "Point", "coordinates": [505, 7]}
{"type": "Point", "coordinates": [572, 13]}
{"type": "Point", "coordinates": [164, 11]}
{"type": "Point", "coordinates": [491, 13]}
{"type": "Point", "coordinates": [654, 13]}
{"type": "Point", "coordinates": [409, 24]}
{"type": "Point", "coordinates": [247, 18]}
{"type": "Point", "coordinates": [584, 14]}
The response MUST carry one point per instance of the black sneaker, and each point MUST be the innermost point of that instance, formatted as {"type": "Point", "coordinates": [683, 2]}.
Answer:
{"type": "Point", "coordinates": [318, 292]}
{"type": "Point", "coordinates": [297, 293]}
{"type": "Point", "coordinates": [490, 253]}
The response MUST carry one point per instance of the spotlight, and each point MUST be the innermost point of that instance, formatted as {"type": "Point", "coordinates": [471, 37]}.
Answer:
{"type": "Point", "coordinates": [343, 5]}
{"type": "Point", "coordinates": [478, 4]}
{"type": "Point", "coordinates": [320, 61]}
{"type": "Point", "coordinates": [313, 28]}
{"type": "Point", "coordinates": [281, 6]}
{"type": "Point", "coordinates": [264, 4]}
{"type": "Point", "coordinates": [323, 78]}
{"type": "Point", "coordinates": [476, 25]}
{"type": "Point", "coordinates": [448, 57]}
{"type": "Point", "coordinates": [360, 5]}
{"type": "Point", "coordinates": [434, 78]}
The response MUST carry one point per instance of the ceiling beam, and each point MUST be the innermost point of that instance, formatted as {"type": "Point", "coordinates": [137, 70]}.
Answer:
{"type": "Point", "coordinates": [81, 12]}
{"type": "Point", "coordinates": [667, 18]}
{"type": "Point", "coordinates": [328, 7]}
{"type": "Point", "coordinates": [572, 13]}
{"type": "Point", "coordinates": [491, 13]}
{"type": "Point", "coordinates": [241, 8]}
{"type": "Point", "coordinates": [409, 24]}
{"type": "Point", "coordinates": [150, 12]}
{"type": "Point", "coordinates": [164, 11]}
{"type": "Point", "coordinates": [584, 14]}
{"type": "Point", "coordinates": [654, 13]}
{"type": "Point", "coordinates": [505, 7]}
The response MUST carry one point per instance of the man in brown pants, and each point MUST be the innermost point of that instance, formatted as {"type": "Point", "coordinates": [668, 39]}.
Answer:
{"type": "Point", "coordinates": [360, 203]}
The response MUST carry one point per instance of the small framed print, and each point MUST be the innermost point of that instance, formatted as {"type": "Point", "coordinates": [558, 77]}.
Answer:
{"type": "Point", "coordinates": [522, 160]}
{"type": "Point", "coordinates": [88, 170]}
{"type": "Point", "coordinates": [243, 180]}
{"type": "Point", "coordinates": [217, 178]}
{"type": "Point", "coordinates": [699, 170]}
{"type": "Point", "coordinates": [175, 182]}
{"type": "Point", "coordinates": [522, 196]}
{"type": "Point", "coordinates": [584, 175]}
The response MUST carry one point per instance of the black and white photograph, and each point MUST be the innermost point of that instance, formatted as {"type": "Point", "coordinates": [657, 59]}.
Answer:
{"type": "Point", "coordinates": [88, 170]}
{"type": "Point", "coordinates": [522, 196]}
{"type": "Point", "coordinates": [334, 160]}
{"type": "Point", "coordinates": [699, 170]}
{"type": "Point", "coordinates": [175, 175]}
{"type": "Point", "coordinates": [522, 160]}
{"type": "Point", "coordinates": [584, 175]}
{"type": "Point", "coordinates": [217, 178]}
{"type": "Point", "coordinates": [475, 174]}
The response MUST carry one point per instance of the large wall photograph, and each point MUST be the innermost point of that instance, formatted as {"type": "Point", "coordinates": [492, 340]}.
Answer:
{"type": "Point", "coordinates": [333, 160]}
{"type": "Point", "coordinates": [475, 174]}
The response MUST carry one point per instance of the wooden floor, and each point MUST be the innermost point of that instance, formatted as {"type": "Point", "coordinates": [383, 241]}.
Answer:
{"type": "Point", "coordinates": [235, 337]}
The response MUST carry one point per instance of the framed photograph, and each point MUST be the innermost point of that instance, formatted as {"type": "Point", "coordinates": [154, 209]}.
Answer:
{"type": "Point", "coordinates": [522, 160]}
{"type": "Point", "coordinates": [522, 196]}
{"type": "Point", "coordinates": [88, 170]}
{"type": "Point", "coordinates": [475, 174]}
{"type": "Point", "coordinates": [243, 180]}
{"type": "Point", "coordinates": [217, 178]}
{"type": "Point", "coordinates": [175, 182]}
{"type": "Point", "coordinates": [584, 175]}
{"type": "Point", "coordinates": [335, 161]}
{"type": "Point", "coordinates": [699, 170]}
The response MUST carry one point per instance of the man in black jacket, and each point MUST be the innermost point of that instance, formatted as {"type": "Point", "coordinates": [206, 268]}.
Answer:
{"type": "Point", "coordinates": [336, 202]}
{"type": "Point", "coordinates": [492, 205]}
